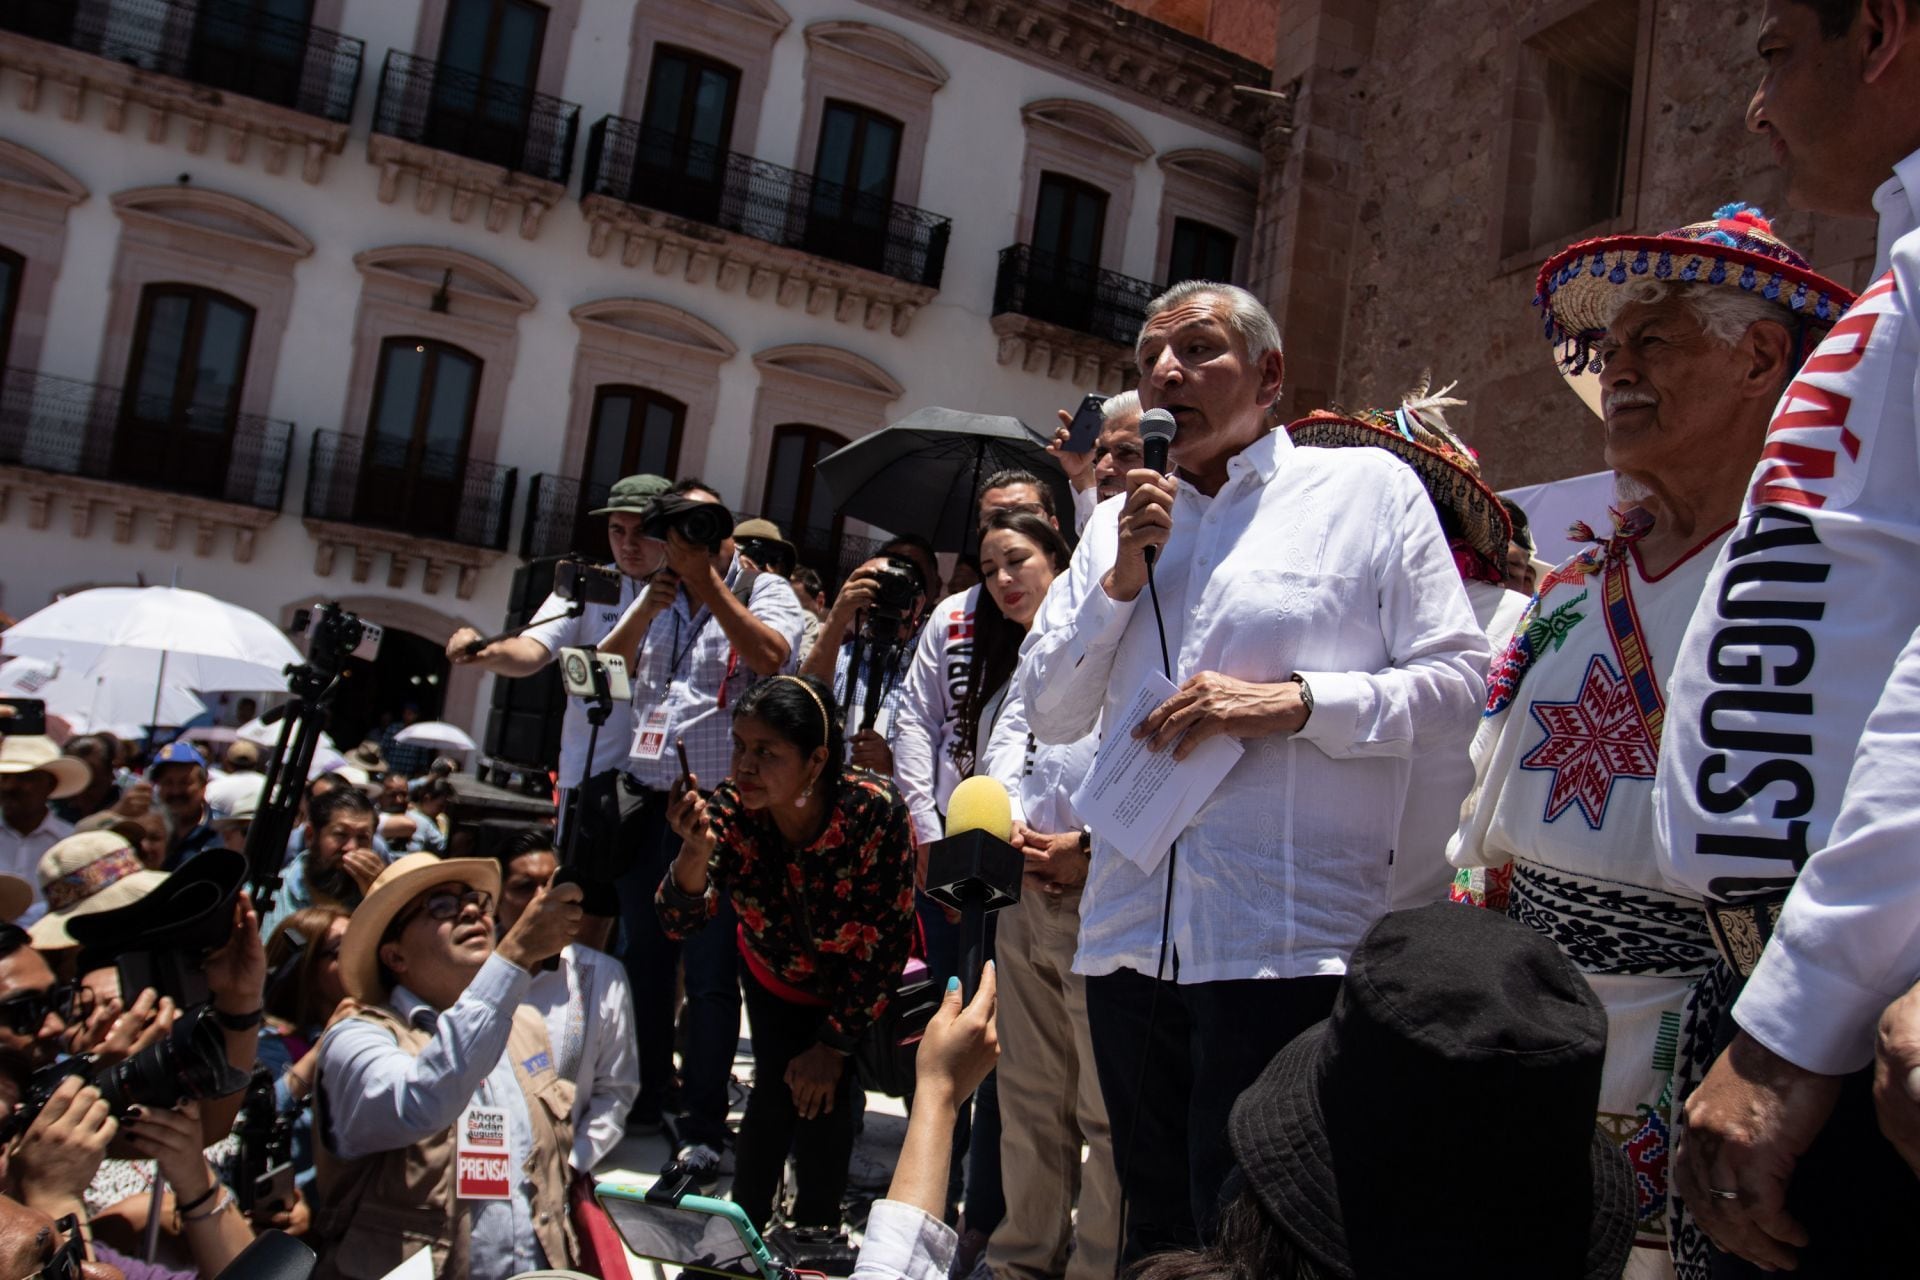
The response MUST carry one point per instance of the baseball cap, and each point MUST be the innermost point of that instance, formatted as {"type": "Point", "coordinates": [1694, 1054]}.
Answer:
{"type": "Point", "coordinates": [178, 752]}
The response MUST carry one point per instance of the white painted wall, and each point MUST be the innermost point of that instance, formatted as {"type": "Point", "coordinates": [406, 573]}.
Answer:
{"type": "Point", "coordinates": [975, 151]}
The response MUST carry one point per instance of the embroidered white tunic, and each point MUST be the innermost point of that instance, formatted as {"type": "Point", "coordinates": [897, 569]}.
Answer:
{"type": "Point", "coordinates": [1563, 791]}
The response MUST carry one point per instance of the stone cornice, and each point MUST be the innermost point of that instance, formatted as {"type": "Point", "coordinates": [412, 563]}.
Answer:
{"type": "Point", "coordinates": [1058, 352]}
{"type": "Point", "coordinates": [729, 261]}
{"type": "Point", "coordinates": [168, 514]}
{"type": "Point", "coordinates": [72, 76]}
{"type": "Point", "coordinates": [1115, 49]}
{"type": "Point", "coordinates": [499, 193]}
{"type": "Point", "coordinates": [362, 544]}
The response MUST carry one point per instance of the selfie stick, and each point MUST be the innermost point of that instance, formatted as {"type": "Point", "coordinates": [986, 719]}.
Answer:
{"type": "Point", "coordinates": [600, 706]}
{"type": "Point", "coordinates": [472, 648]}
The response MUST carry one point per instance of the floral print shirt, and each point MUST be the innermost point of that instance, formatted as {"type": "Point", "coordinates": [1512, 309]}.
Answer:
{"type": "Point", "coordinates": [834, 919]}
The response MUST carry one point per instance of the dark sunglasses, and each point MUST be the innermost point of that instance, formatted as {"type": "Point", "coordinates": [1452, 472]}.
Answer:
{"type": "Point", "coordinates": [27, 1012]}
{"type": "Point", "coordinates": [66, 1260]}
{"type": "Point", "coordinates": [447, 904]}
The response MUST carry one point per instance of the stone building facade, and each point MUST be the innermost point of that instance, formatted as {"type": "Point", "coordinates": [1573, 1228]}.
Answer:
{"type": "Point", "coordinates": [1435, 152]}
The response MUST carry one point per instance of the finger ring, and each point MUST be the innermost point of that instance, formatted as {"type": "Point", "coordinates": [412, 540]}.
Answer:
{"type": "Point", "coordinates": [1719, 1193]}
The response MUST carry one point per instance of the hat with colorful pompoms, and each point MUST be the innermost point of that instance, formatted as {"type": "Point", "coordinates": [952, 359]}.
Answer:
{"type": "Point", "coordinates": [1735, 249]}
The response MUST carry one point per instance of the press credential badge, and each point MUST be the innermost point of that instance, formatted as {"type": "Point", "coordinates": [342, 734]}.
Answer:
{"type": "Point", "coordinates": [485, 1163]}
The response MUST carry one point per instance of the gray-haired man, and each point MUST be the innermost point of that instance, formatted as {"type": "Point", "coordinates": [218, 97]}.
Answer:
{"type": "Point", "coordinates": [1287, 579]}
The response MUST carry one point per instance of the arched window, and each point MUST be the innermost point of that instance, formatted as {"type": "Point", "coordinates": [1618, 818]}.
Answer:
{"type": "Point", "coordinates": [12, 267]}
{"type": "Point", "coordinates": [489, 62]}
{"type": "Point", "coordinates": [416, 450]}
{"type": "Point", "coordinates": [793, 500]}
{"type": "Point", "coordinates": [182, 396]}
{"type": "Point", "coordinates": [853, 177]}
{"type": "Point", "coordinates": [1200, 251]}
{"type": "Point", "coordinates": [634, 431]}
{"type": "Point", "coordinates": [686, 132]}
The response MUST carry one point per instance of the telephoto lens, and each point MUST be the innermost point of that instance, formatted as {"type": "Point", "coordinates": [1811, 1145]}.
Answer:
{"type": "Point", "coordinates": [187, 1064]}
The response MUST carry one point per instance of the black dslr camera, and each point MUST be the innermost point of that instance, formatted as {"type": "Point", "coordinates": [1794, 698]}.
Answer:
{"type": "Point", "coordinates": [898, 590]}
{"type": "Point", "coordinates": [160, 941]}
{"type": "Point", "coordinates": [707, 524]}
{"type": "Point", "coordinates": [188, 1064]}
{"type": "Point", "coordinates": [581, 583]}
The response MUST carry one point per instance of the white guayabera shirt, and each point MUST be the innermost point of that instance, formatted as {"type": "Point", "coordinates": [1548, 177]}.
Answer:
{"type": "Point", "coordinates": [1793, 721]}
{"type": "Point", "coordinates": [1325, 562]}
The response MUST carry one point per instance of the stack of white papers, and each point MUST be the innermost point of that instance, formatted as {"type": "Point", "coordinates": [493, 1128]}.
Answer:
{"type": "Point", "coordinates": [1139, 800]}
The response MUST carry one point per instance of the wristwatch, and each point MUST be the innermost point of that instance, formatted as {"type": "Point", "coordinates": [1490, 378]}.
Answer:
{"type": "Point", "coordinates": [1306, 696]}
{"type": "Point", "coordinates": [240, 1021]}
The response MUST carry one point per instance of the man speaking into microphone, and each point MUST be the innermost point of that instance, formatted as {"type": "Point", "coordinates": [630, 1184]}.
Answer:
{"type": "Point", "coordinates": [1311, 609]}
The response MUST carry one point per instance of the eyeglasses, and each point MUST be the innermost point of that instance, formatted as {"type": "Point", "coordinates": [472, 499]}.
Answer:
{"type": "Point", "coordinates": [447, 904]}
{"type": "Point", "coordinates": [66, 1260]}
{"type": "Point", "coordinates": [27, 1012]}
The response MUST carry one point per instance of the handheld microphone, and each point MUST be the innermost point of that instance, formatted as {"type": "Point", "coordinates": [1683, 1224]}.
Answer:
{"type": "Point", "coordinates": [1156, 437]}
{"type": "Point", "coordinates": [975, 870]}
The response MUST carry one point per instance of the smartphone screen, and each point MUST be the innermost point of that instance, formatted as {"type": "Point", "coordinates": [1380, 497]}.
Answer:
{"type": "Point", "coordinates": [687, 1238]}
{"type": "Point", "coordinates": [1085, 427]}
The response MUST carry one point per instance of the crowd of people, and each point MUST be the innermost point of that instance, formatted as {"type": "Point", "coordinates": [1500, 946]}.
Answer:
{"type": "Point", "coordinates": [1548, 922]}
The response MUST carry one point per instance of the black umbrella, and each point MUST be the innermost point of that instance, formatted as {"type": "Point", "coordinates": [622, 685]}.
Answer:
{"type": "Point", "coordinates": [922, 474]}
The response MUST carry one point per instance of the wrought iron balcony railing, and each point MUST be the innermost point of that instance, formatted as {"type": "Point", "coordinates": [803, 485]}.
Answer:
{"type": "Point", "coordinates": [1072, 294]}
{"type": "Point", "coordinates": [738, 193]}
{"type": "Point", "coordinates": [222, 44]}
{"type": "Point", "coordinates": [424, 492]}
{"type": "Point", "coordinates": [487, 120]}
{"type": "Point", "coordinates": [72, 428]}
{"type": "Point", "coordinates": [558, 522]}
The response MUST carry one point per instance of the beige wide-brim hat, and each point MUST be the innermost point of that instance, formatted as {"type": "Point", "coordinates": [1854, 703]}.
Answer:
{"type": "Point", "coordinates": [29, 752]}
{"type": "Point", "coordinates": [399, 884]}
{"type": "Point", "coordinates": [85, 874]}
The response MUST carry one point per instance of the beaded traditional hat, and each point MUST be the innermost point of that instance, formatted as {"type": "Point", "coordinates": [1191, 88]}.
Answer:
{"type": "Point", "coordinates": [1736, 248]}
{"type": "Point", "coordinates": [1417, 433]}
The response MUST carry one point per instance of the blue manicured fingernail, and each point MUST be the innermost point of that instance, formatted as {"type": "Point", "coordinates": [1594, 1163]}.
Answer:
{"type": "Point", "coordinates": [953, 984]}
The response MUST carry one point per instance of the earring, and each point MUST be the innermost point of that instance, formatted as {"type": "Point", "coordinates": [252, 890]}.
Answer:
{"type": "Point", "coordinates": [805, 796]}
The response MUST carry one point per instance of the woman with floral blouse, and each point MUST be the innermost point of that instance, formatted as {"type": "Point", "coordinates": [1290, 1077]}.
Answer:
{"type": "Point", "coordinates": [818, 863]}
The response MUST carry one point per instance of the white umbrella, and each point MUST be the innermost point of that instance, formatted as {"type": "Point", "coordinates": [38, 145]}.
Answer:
{"type": "Point", "coordinates": [436, 733]}
{"type": "Point", "coordinates": [155, 636]}
{"type": "Point", "coordinates": [92, 703]}
{"type": "Point", "coordinates": [262, 734]}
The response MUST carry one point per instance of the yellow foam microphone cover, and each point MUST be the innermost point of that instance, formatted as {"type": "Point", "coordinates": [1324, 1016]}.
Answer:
{"type": "Point", "coordinates": [980, 803]}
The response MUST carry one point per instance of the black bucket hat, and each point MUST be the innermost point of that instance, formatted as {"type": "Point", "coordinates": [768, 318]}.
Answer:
{"type": "Point", "coordinates": [1463, 1052]}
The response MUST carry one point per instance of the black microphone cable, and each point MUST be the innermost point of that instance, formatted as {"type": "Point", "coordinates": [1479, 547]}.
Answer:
{"type": "Point", "coordinates": [1160, 966]}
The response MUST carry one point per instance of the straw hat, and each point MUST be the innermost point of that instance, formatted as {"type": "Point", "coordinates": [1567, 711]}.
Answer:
{"type": "Point", "coordinates": [1418, 435]}
{"type": "Point", "coordinates": [399, 884]}
{"type": "Point", "coordinates": [28, 753]}
{"type": "Point", "coordinates": [1734, 249]}
{"type": "Point", "coordinates": [85, 874]}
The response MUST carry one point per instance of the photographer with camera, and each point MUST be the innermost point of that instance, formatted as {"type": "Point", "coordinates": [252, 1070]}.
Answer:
{"type": "Point", "coordinates": [48, 1176]}
{"type": "Point", "coordinates": [875, 622]}
{"type": "Point", "coordinates": [706, 630]}
{"type": "Point", "coordinates": [441, 1118]}
{"type": "Point", "coordinates": [569, 618]}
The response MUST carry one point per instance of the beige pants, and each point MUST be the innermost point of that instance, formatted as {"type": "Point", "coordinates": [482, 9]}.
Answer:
{"type": "Point", "coordinates": [1049, 1104]}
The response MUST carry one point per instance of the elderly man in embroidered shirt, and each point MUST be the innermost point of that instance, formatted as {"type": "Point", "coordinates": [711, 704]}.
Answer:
{"type": "Point", "coordinates": [442, 1119]}
{"type": "Point", "coordinates": [1312, 610]}
{"type": "Point", "coordinates": [1558, 830]}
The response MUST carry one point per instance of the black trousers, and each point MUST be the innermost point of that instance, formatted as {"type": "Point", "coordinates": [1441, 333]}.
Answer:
{"type": "Point", "coordinates": [653, 963]}
{"type": "Point", "coordinates": [1170, 1088]}
{"type": "Point", "coordinates": [771, 1127]}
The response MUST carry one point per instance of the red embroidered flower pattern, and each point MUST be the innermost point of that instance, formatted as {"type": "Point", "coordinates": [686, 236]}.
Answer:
{"type": "Point", "coordinates": [835, 918]}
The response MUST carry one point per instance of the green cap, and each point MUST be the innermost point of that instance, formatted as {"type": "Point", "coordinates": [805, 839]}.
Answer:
{"type": "Point", "coordinates": [633, 494]}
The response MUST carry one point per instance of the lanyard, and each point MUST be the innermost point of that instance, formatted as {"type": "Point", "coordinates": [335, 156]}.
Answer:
{"type": "Point", "coordinates": [676, 654]}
